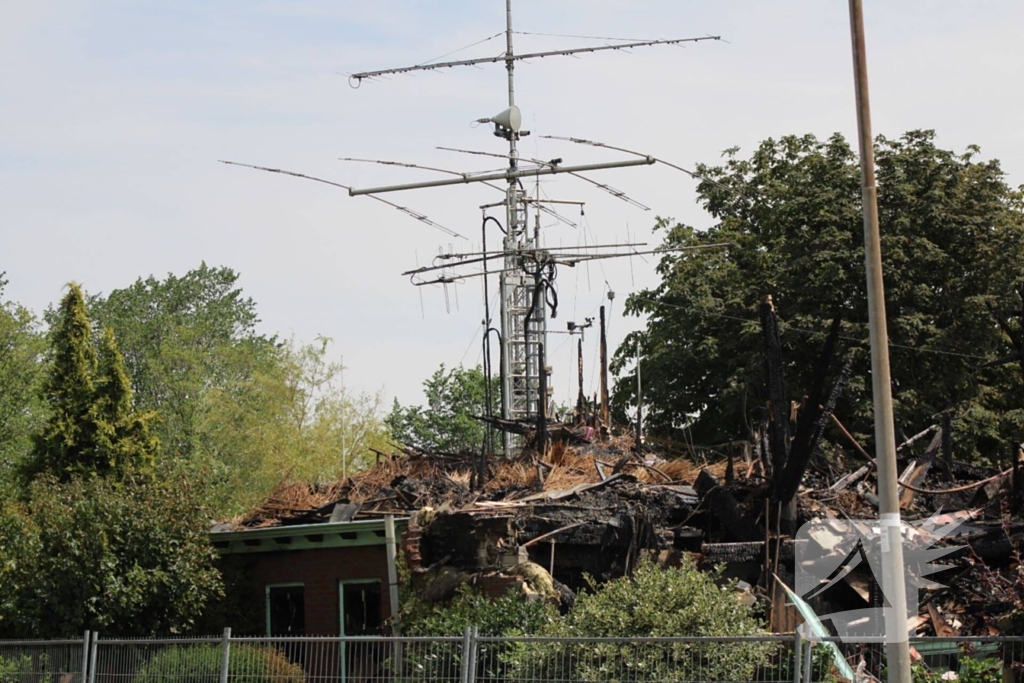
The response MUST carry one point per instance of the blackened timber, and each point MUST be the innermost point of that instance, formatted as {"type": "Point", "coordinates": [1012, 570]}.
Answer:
{"type": "Point", "coordinates": [809, 424]}
{"type": "Point", "coordinates": [915, 438]}
{"type": "Point", "coordinates": [1015, 481]}
{"type": "Point", "coordinates": [723, 508]}
{"type": "Point", "coordinates": [581, 401]}
{"type": "Point", "coordinates": [850, 478]}
{"type": "Point", "coordinates": [947, 446]}
{"type": "Point", "coordinates": [778, 422]}
{"type": "Point", "coordinates": [542, 402]}
{"type": "Point", "coordinates": [715, 553]}
{"type": "Point", "coordinates": [604, 373]}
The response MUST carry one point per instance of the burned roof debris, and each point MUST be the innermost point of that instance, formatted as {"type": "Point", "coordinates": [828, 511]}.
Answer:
{"type": "Point", "coordinates": [593, 508]}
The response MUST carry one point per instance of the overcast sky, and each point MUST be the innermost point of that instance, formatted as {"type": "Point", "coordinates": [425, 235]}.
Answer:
{"type": "Point", "coordinates": [113, 116]}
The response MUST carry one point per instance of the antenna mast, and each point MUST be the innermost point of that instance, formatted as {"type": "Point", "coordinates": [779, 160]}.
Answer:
{"type": "Point", "coordinates": [528, 270]}
{"type": "Point", "coordinates": [522, 329]}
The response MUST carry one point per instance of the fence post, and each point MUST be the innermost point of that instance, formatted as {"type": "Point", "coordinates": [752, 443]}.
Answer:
{"type": "Point", "coordinates": [467, 636]}
{"type": "Point", "coordinates": [93, 646]}
{"type": "Point", "coordinates": [797, 656]}
{"type": "Point", "coordinates": [225, 654]}
{"type": "Point", "coordinates": [85, 657]}
{"type": "Point", "coordinates": [473, 645]}
{"type": "Point", "coordinates": [808, 665]}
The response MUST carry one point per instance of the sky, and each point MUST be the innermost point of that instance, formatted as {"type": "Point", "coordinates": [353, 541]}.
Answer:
{"type": "Point", "coordinates": [113, 115]}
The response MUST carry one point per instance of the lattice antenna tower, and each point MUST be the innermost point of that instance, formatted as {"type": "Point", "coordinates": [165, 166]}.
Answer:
{"type": "Point", "coordinates": [523, 326]}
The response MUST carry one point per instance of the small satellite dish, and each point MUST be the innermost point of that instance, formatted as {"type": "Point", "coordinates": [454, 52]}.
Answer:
{"type": "Point", "coordinates": [510, 119]}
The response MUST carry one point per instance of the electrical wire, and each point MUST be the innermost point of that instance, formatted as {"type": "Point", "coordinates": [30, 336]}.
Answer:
{"type": "Point", "coordinates": [448, 54]}
{"type": "Point", "coordinates": [792, 328]}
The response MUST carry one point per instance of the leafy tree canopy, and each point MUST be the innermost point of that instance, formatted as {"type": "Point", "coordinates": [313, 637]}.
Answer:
{"type": "Point", "coordinates": [21, 409]}
{"type": "Point", "coordinates": [248, 408]}
{"type": "Point", "coordinates": [129, 559]}
{"type": "Point", "coordinates": [181, 338]}
{"type": "Point", "coordinates": [446, 423]}
{"type": "Point", "coordinates": [295, 420]}
{"type": "Point", "coordinates": [952, 245]}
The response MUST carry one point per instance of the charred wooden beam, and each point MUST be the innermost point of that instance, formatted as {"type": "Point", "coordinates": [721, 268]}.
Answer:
{"type": "Point", "coordinates": [542, 402]}
{"type": "Point", "coordinates": [853, 441]}
{"type": "Point", "coordinates": [947, 445]}
{"type": "Point", "coordinates": [581, 401]}
{"type": "Point", "coordinates": [907, 443]}
{"type": "Point", "coordinates": [809, 424]}
{"type": "Point", "coordinates": [1015, 485]}
{"type": "Point", "coordinates": [723, 508]}
{"type": "Point", "coordinates": [604, 415]}
{"type": "Point", "coordinates": [778, 415]}
{"type": "Point", "coordinates": [715, 553]}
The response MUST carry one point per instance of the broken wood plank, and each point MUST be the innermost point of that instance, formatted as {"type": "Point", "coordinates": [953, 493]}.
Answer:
{"type": "Point", "coordinates": [947, 446]}
{"type": "Point", "coordinates": [849, 478]}
{"type": "Point", "coordinates": [549, 534]}
{"type": "Point", "coordinates": [918, 469]}
{"type": "Point", "coordinates": [916, 437]}
{"type": "Point", "coordinates": [942, 629]}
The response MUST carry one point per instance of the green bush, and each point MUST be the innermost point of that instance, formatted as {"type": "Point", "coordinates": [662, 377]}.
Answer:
{"type": "Point", "coordinates": [201, 664]}
{"type": "Point", "coordinates": [14, 669]}
{"type": "Point", "coordinates": [510, 614]}
{"type": "Point", "coordinates": [125, 559]}
{"type": "Point", "coordinates": [970, 669]}
{"type": "Point", "coordinates": [654, 602]}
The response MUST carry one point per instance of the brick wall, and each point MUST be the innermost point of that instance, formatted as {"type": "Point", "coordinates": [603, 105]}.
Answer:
{"type": "Point", "coordinates": [320, 570]}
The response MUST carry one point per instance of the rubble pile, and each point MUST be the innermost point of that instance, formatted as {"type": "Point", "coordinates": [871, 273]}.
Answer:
{"type": "Point", "coordinates": [592, 510]}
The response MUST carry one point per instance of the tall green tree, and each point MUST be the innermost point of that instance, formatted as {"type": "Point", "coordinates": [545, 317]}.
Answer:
{"type": "Point", "coordinates": [181, 338]}
{"type": "Point", "coordinates": [247, 408]}
{"type": "Point", "coordinates": [21, 409]}
{"type": "Point", "coordinates": [98, 539]}
{"type": "Point", "coordinates": [446, 423]}
{"type": "Point", "coordinates": [952, 245]}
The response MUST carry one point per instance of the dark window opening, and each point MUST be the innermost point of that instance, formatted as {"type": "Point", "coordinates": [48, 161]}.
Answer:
{"type": "Point", "coordinates": [286, 616]}
{"type": "Point", "coordinates": [362, 608]}
{"type": "Point", "coordinates": [287, 613]}
{"type": "Point", "coordinates": [360, 616]}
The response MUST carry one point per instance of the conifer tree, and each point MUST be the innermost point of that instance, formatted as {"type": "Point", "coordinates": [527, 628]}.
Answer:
{"type": "Point", "coordinates": [66, 444]}
{"type": "Point", "coordinates": [93, 428]}
{"type": "Point", "coordinates": [123, 439]}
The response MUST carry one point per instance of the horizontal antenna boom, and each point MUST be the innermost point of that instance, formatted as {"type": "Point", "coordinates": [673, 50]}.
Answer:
{"type": "Point", "coordinates": [531, 55]}
{"type": "Point", "coordinates": [504, 175]}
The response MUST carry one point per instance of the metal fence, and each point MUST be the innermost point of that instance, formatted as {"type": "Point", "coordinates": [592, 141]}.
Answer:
{"type": "Point", "coordinates": [478, 659]}
{"type": "Point", "coordinates": [44, 661]}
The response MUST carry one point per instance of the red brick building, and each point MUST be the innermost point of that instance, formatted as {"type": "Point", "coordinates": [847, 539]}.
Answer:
{"type": "Point", "coordinates": [313, 579]}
